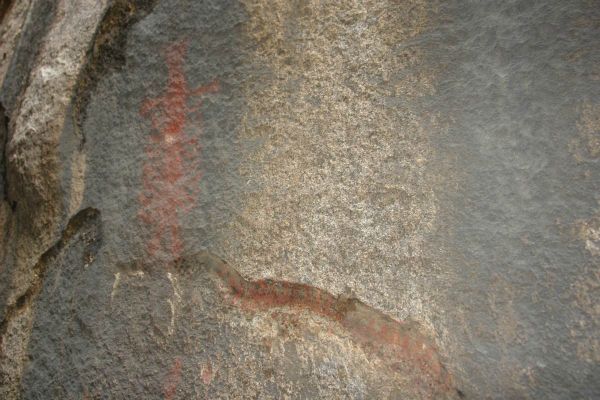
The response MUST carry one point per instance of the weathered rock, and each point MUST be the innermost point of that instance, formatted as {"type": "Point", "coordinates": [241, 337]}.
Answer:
{"type": "Point", "coordinates": [299, 199]}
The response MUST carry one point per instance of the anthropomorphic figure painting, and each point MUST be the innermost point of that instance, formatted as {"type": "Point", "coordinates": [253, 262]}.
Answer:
{"type": "Point", "coordinates": [172, 171]}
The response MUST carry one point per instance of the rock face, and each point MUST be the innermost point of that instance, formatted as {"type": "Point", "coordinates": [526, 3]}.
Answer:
{"type": "Point", "coordinates": [393, 199]}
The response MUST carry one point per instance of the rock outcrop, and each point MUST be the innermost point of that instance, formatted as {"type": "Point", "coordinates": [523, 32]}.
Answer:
{"type": "Point", "coordinates": [392, 199]}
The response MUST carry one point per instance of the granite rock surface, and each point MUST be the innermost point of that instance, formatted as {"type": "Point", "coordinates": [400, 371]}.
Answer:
{"type": "Point", "coordinates": [366, 199]}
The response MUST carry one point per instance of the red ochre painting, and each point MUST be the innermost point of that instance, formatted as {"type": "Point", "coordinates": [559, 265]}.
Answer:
{"type": "Point", "coordinates": [172, 380]}
{"type": "Point", "coordinates": [401, 345]}
{"type": "Point", "coordinates": [172, 170]}
{"type": "Point", "coordinates": [171, 178]}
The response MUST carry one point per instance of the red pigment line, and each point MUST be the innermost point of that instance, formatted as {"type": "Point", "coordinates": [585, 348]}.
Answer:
{"type": "Point", "coordinates": [399, 344]}
{"type": "Point", "coordinates": [172, 380]}
{"type": "Point", "coordinates": [171, 173]}
{"type": "Point", "coordinates": [206, 372]}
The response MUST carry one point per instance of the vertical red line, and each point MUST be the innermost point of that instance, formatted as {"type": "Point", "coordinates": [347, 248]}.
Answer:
{"type": "Point", "coordinates": [172, 380]}
{"type": "Point", "coordinates": [170, 177]}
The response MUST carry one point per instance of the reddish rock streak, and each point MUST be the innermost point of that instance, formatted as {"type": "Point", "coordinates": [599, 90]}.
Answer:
{"type": "Point", "coordinates": [172, 380]}
{"type": "Point", "coordinates": [171, 174]}
{"type": "Point", "coordinates": [401, 345]}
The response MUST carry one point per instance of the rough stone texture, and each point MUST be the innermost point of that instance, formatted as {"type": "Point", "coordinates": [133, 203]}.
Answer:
{"type": "Point", "coordinates": [12, 16]}
{"type": "Point", "coordinates": [37, 111]}
{"type": "Point", "coordinates": [518, 188]}
{"type": "Point", "coordinates": [300, 199]}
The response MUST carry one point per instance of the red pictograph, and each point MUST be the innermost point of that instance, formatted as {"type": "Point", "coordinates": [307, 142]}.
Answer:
{"type": "Point", "coordinates": [172, 171]}
{"type": "Point", "coordinates": [172, 380]}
